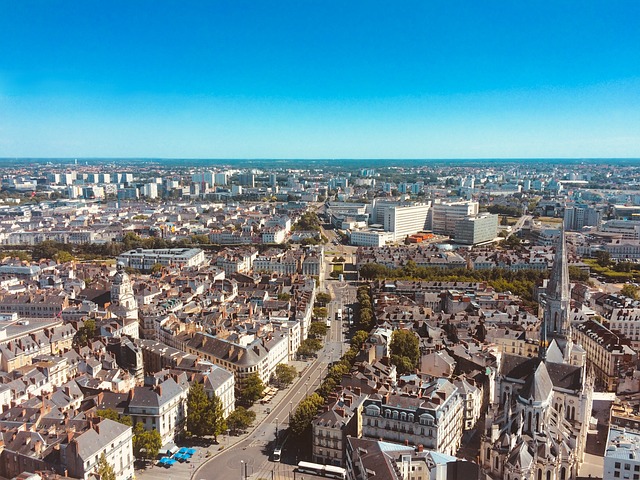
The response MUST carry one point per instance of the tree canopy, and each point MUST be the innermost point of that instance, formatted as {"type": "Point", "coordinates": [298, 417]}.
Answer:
{"type": "Point", "coordinates": [252, 390]}
{"type": "Point", "coordinates": [405, 351]}
{"type": "Point", "coordinates": [205, 416]}
{"type": "Point", "coordinates": [285, 374]}
{"type": "Point", "coordinates": [240, 419]}
{"type": "Point", "coordinates": [146, 444]}
{"type": "Point", "coordinates": [104, 469]}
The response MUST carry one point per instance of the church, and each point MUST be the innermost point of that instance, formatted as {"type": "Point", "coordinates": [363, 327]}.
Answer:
{"type": "Point", "coordinates": [124, 306]}
{"type": "Point", "coordinates": [536, 427]}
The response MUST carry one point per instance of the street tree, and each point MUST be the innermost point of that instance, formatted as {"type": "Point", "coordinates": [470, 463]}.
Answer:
{"type": "Point", "coordinates": [630, 291]}
{"type": "Point", "coordinates": [240, 419]}
{"type": "Point", "coordinates": [358, 339]}
{"type": "Point", "coordinates": [104, 469]}
{"type": "Point", "coordinates": [252, 390]}
{"type": "Point", "coordinates": [323, 299]}
{"type": "Point", "coordinates": [302, 417]}
{"type": "Point", "coordinates": [146, 444]}
{"type": "Point", "coordinates": [214, 418]}
{"type": "Point", "coordinates": [285, 374]}
{"type": "Point", "coordinates": [318, 329]}
{"type": "Point", "coordinates": [320, 312]}
{"type": "Point", "coordinates": [197, 404]}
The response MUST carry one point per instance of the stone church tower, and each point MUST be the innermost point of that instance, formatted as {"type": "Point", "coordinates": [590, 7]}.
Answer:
{"type": "Point", "coordinates": [123, 301]}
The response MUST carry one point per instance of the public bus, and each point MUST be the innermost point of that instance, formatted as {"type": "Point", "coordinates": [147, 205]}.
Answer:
{"type": "Point", "coordinates": [328, 471]}
{"type": "Point", "coordinates": [277, 453]}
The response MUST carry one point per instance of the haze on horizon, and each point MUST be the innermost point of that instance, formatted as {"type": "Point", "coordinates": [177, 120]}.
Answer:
{"type": "Point", "coordinates": [333, 79]}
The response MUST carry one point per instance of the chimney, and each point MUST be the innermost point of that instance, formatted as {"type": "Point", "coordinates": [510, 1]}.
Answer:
{"type": "Point", "coordinates": [132, 393]}
{"type": "Point", "coordinates": [420, 448]}
{"type": "Point", "coordinates": [357, 390]}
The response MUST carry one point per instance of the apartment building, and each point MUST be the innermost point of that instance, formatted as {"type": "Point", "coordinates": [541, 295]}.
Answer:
{"type": "Point", "coordinates": [609, 355]}
{"type": "Point", "coordinates": [342, 417]}
{"type": "Point", "coordinates": [434, 419]}
{"type": "Point", "coordinates": [144, 259]}
{"type": "Point", "coordinates": [107, 437]}
{"type": "Point", "coordinates": [162, 407]}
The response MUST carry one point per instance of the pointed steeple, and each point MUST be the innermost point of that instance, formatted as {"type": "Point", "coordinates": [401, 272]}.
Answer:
{"type": "Point", "coordinates": [558, 296]}
{"type": "Point", "coordinates": [558, 286]}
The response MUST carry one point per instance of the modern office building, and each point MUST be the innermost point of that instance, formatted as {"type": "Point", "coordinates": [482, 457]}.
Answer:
{"type": "Point", "coordinates": [475, 230]}
{"type": "Point", "coordinates": [405, 220]}
{"type": "Point", "coordinates": [446, 216]}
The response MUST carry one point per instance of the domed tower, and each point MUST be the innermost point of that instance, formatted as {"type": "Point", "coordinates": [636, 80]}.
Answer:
{"type": "Point", "coordinates": [123, 301]}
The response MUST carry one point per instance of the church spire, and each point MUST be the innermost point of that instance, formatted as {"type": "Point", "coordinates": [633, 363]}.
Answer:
{"type": "Point", "coordinates": [557, 294]}
{"type": "Point", "coordinates": [558, 286]}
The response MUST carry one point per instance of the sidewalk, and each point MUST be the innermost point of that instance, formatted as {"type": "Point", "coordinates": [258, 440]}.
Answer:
{"type": "Point", "coordinates": [184, 471]}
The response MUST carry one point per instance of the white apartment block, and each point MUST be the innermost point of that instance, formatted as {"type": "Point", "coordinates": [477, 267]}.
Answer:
{"type": "Point", "coordinates": [144, 259]}
{"type": "Point", "coordinates": [433, 420]}
{"type": "Point", "coordinates": [221, 383]}
{"type": "Point", "coordinates": [369, 238]}
{"type": "Point", "coordinates": [162, 408]}
{"type": "Point", "coordinates": [475, 230]}
{"type": "Point", "coordinates": [110, 438]}
{"type": "Point", "coordinates": [622, 456]}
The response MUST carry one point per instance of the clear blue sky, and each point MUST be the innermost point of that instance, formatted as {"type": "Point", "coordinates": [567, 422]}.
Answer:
{"type": "Point", "coordinates": [320, 79]}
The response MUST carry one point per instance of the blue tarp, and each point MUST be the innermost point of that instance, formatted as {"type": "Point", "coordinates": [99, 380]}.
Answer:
{"type": "Point", "coordinates": [191, 451]}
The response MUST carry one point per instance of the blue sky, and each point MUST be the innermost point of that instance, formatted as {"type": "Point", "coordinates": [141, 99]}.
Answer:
{"type": "Point", "coordinates": [320, 79]}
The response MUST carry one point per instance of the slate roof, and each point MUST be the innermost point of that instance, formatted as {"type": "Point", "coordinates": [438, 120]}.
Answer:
{"type": "Point", "coordinates": [562, 375]}
{"type": "Point", "coordinates": [538, 385]}
{"type": "Point", "coordinates": [92, 441]}
{"type": "Point", "coordinates": [150, 397]}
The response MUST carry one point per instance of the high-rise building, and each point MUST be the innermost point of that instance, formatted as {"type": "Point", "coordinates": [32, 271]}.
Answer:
{"type": "Point", "coordinates": [446, 215]}
{"type": "Point", "coordinates": [221, 178]}
{"type": "Point", "coordinates": [405, 220]}
{"type": "Point", "coordinates": [578, 216]}
{"type": "Point", "coordinates": [247, 180]}
{"type": "Point", "coordinates": [475, 230]}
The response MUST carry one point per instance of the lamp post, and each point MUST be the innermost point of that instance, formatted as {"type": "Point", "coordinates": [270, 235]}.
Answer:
{"type": "Point", "coordinates": [290, 409]}
{"type": "Point", "coordinates": [276, 431]}
{"type": "Point", "coordinates": [242, 470]}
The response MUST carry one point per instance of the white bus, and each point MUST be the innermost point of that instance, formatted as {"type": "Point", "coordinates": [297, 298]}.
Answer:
{"type": "Point", "coordinates": [277, 453]}
{"type": "Point", "coordinates": [328, 471]}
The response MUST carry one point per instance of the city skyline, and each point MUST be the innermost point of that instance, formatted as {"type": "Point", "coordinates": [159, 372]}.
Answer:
{"type": "Point", "coordinates": [299, 80]}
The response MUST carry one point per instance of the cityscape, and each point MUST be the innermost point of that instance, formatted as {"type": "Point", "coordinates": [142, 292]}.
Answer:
{"type": "Point", "coordinates": [476, 319]}
{"type": "Point", "coordinates": [319, 240]}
